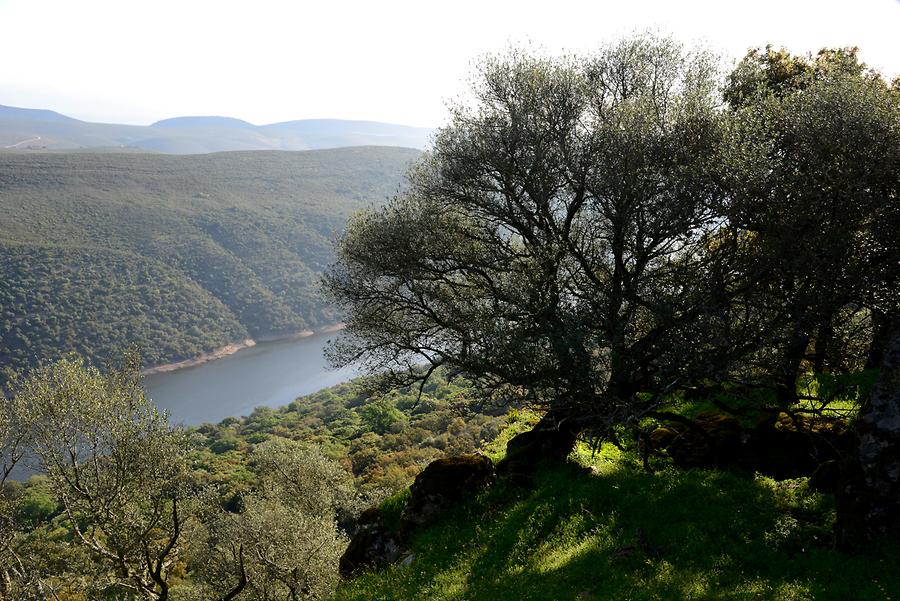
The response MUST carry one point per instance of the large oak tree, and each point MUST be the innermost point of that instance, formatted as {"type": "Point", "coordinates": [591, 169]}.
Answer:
{"type": "Point", "coordinates": [561, 244]}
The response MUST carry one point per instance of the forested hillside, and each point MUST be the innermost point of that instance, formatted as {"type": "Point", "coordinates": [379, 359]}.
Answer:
{"type": "Point", "coordinates": [181, 255]}
{"type": "Point", "coordinates": [384, 441]}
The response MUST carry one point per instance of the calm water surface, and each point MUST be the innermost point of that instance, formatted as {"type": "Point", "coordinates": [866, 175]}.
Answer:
{"type": "Point", "coordinates": [271, 374]}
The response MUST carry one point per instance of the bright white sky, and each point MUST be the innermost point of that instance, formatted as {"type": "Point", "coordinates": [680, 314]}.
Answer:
{"type": "Point", "coordinates": [137, 61]}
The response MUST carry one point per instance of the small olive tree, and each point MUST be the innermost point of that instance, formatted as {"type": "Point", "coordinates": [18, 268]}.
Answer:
{"type": "Point", "coordinates": [138, 514]}
{"type": "Point", "coordinates": [285, 542]}
{"type": "Point", "coordinates": [117, 468]}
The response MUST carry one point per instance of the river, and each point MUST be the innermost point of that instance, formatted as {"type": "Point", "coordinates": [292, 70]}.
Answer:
{"type": "Point", "coordinates": [271, 374]}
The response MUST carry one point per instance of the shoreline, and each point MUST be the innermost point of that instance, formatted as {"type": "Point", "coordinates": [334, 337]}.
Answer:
{"type": "Point", "coordinates": [234, 347]}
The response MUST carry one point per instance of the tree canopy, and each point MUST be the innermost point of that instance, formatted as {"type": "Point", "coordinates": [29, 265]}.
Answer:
{"type": "Point", "coordinates": [590, 233]}
{"type": "Point", "coordinates": [595, 234]}
{"type": "Point", "coordinates": [562, 244]}
{"type": "Point", "coordinates": [814, 174]}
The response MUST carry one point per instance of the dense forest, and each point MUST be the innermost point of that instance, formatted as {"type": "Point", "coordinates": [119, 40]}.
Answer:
{"type": "Point", "coordinates": [179, 255]}
{"type": "Point", "coordinates": [383, 440]}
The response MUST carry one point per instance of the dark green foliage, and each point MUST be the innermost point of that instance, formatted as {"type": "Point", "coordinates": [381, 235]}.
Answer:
{"type": "Point", "coordinates": [381, 416]}
{"type": "Point", "coordinates": [813, 169]}
{"type": "Point", "coordinates": [34, 501]}
{"type": "Point", "coordinates": [780, 73]}
{"type": "Point", "coordinates": [180, 255]}
{"type": "Point", "coordinates": [560, 244]}
{"type": "Point", "coordinates": [96, 301]}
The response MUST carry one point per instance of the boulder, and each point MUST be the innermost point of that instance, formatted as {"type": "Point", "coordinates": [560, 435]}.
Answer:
{"type": "Point", "coordinates": [790, 446]}
{"type": "Point", "coordinates": [373, 546]}
{"type": "Point", "coordinates": [781, 445]}
{"type": "Point", "coordinates": [549, 440]}
{"type": "Point", "coordinates": [372, 515]}
{"type": "Point", "coordinates": [440, 485]}
{"type": "Point", "coordinates": [710, 440]}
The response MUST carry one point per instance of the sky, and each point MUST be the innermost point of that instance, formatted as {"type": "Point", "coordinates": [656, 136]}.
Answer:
{"type": "Point", "coordinates": [138, 61]}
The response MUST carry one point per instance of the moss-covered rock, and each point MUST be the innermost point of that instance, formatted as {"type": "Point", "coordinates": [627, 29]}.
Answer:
{"type": "Point", "coordinates": [781, 445]}
{"type": "Point", "coordinates": [710, 440]}
{"type": "Point", "coordinates": [442, 483]}
{"type": "Point", "coordinates": [373, 546]}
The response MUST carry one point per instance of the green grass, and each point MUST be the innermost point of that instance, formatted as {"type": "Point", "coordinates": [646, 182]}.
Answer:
{"type": "Point", "coordinates": [830, 395]}
{"type": "Point", "coordinates": [843, 394]}
{"type": "Point", "coordinates": [707, 535]}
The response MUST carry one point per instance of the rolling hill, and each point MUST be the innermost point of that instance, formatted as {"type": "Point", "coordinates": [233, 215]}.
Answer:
{"type": "Point", "coordinates": [180, 254]}
{"type": "Point", "coordinates": [22, 128]}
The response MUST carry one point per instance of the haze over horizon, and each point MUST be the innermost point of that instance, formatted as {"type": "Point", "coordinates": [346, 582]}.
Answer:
{"type": "Point", "coordinates": [141, 62]}
{"type": "Point", "coordinates": [198, 119]}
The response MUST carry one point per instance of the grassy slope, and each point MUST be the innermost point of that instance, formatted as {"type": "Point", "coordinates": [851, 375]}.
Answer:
{"type": "Point", "coordinates": [179, 254]}
{"type": "Point", "coordinates": [707, 535]}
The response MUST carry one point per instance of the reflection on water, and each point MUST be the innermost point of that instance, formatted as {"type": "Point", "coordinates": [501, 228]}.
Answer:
{"type": "Point", "coordinates": [270, 373]}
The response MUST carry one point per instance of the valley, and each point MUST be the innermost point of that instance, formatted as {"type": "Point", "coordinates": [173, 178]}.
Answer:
{"type": "Point", "coordinates": [265, 374]}
{"type": "Point", "coordinates": [179, 255]}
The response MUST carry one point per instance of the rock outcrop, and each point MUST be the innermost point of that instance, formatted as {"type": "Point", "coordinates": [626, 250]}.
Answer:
{"type": "Point", "coordinates": [781, 445]}
{"type": "Point", "coordinates": [549, 440]}
{"type": "Point", "coordinates": [443, 483]}
{"type": "Point", "coordinates": [373, 546]}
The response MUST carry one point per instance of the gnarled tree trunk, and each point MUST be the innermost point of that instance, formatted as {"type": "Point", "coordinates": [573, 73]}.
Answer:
{"type": "Point", "coordinates": [868, 501]}
{"type": "Point", "coordinates": [880, 335]}
{"type": "Point", "coordinates": [789, 367]}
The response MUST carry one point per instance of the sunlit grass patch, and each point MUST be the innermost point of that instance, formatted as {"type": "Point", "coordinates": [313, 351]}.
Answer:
{"type": "Point", "coordinates": [837, 395]}
{"type": "Point", "coordinates": [617, 532]}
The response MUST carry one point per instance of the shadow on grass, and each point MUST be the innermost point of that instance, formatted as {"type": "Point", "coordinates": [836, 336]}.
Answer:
{"type": "Point", "coordinates": [633, 535]}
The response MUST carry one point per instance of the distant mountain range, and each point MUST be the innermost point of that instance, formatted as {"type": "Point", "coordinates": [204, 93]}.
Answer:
{"type": "Point", "coordinates": [22, 128]}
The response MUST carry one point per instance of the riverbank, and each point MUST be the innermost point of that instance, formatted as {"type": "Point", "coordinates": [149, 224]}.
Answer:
{"type": "Point", "coordinates": [230, 349]}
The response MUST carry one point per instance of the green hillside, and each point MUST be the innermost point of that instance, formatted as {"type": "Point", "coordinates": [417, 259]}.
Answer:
{"type": "Point", "coordinates": [181, 254]}
{"type": "Point", "coordinates": [600, 526]}
{"type": "Point", "coordinates": [608, 530]}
